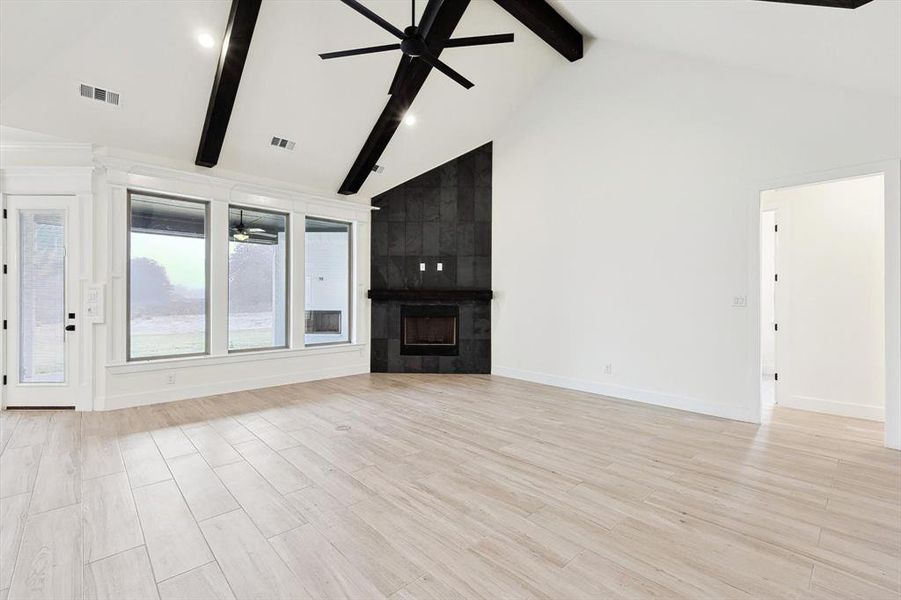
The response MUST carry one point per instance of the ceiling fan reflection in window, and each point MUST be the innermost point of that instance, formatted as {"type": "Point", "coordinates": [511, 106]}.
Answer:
{"type": "Point", "coordinates": [243, 233]}
{"type": "Point", "coordinates": [413, 43]}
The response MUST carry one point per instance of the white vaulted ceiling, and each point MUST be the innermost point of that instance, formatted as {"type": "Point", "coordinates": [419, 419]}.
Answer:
{"type": "Point", "coordinates": [148, 52]}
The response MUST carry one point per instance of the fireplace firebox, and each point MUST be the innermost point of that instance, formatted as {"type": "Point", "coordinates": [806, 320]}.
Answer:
{"type": "Point", "coordinates": [430, 330]}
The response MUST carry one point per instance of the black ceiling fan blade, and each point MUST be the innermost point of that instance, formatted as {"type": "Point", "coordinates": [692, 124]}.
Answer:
{"type": "Point", "coordinates": [447, 70]}
{"type": "Point", "coordinates": [400, 74]}
{"type": "Point", "coordinates": [850, 4]}
{"type": "Point", "coordinates": [375, 18]}
{"type": "Point", "coordinates": [479, 40]}
{"type": "Point", "coordinates": [356, 51]}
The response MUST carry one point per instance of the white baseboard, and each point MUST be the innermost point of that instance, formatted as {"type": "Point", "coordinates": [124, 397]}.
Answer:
{"type": "Point", "coordinates": [832, 407]}
{"type": "Point", "coordinates": [157, 396]}
{"type": "Point", "coordinates": [736, 413]}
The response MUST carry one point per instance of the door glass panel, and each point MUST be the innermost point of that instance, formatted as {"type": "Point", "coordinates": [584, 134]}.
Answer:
{"type": "Point", "coordinates": [42, 296]}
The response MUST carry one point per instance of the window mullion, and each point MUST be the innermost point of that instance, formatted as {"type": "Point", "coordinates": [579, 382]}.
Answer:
{"type": "Point", "coordinates": [298, 284]}
{"type": "Point", "coordinates": [218, 279]}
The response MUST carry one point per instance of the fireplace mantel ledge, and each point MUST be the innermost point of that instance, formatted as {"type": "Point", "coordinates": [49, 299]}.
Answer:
{"type": "Point", "coordinates": [431, 295]}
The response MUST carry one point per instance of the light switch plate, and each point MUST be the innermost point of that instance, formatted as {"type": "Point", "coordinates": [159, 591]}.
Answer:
{"type": "Point", "coordinates": [422, 266]}
{"type": "Point", "coordinates": [93, 306]}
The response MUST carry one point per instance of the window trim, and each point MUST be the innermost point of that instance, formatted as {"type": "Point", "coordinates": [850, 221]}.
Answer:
{"type": "Point", "coordinates": [206, 237]}
{"type": "Point", "coordinates": [288, 281]}
{"type": "Point", "coordinates": [350, 281]}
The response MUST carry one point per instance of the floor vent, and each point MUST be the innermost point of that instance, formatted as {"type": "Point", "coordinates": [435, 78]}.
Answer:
{"type": "Point", "coordinates": [99, 94]}
{"type": "Point", "coordinates": [282, 143]}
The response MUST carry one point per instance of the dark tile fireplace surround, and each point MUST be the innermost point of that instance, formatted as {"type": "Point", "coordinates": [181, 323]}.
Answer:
{"type": "Point", "coordinates": [434, 321]}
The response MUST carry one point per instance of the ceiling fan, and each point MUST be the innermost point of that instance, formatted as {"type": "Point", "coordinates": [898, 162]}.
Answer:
{"type": "Point", "coordinates": [242, 233]}
{"type": "Point", "coordinates": [413, 45]}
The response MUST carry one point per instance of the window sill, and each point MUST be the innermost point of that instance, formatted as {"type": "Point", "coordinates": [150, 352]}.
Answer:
{"type": "Point", "coordinates": [168, 364]}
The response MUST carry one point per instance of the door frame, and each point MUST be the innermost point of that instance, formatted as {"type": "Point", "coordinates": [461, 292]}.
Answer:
{"type": "Point", "coordinates": [58, 181]}
{"type": "Point", "coordinates": [891, 170]}
{"type": "Point", "coordinates": [43, 394]}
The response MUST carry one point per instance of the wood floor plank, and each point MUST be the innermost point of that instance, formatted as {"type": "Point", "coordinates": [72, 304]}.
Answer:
{"type": "Point", "coordinates": [111, 522]}
{"type": "Point", "coordinates": [172, 442]}
{"type": "Point", "coordinates": [252, 567]}
{"type": "Point", "coordinates": [203, 491]}
{"type": "Point", "coordinates": [263, 504]}
{"type": "Point", "coordinates": [58, 480]}
{"type": "Point", "coordinates": [8, 422]}
{"type": "Point", "coordinates": [100, 455]}
{"type": "Point", "coordinates": [323, 571]}
{"type": "Point", "coordinates": [206, 582]}
{"type": "Point", "coordinates": [426, 588]}
{"type": "Point", "coordinates": [49, 564]}
{"type": "Point", "coordinates": [143, 461]}
{"type": "Point", "coordinates": [13, 511]}
{"type": "Point", "coordinates": [18, 469]}
{"type": "Point", "coordinates": [325, 475]}
{"type": "Point", "coordinates": [31, 429]}
{"type": "Point", "coordinates": [280, 474]}
{"type": "Point", "coordinates": [212, 446]}
{"type": "Point", "coordinates": [126, 575]}
{"type": "Point", "coordinates": [173, 540]}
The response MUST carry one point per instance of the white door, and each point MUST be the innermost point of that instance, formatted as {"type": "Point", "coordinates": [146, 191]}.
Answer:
{"type": "Point", "coordinates": [42, 301]}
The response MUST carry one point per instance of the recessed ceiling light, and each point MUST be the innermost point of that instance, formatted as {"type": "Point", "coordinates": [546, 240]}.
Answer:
{"type": "Point", "coordinates": [205, 40]}
{"type": "Point", "coordinates": [409, 119]}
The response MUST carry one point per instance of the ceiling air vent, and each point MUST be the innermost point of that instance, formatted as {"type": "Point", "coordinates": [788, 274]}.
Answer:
{"type": "Point", "coordinates": [282, 143]}
{"type": "Point", "coordinates": [378, 169]}
{"type": "Point", "coordinates": [99, 94]}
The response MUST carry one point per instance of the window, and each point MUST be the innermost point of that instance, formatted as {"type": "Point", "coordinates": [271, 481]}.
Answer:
{"type": "Point", "coordinates": [327, 271]}
{"type": "Point", "coordinates": [257, 279]}
{"type": "Point", "coordinates": [167, 277]}
{"type": "Point", "coordinates": [42, 296]}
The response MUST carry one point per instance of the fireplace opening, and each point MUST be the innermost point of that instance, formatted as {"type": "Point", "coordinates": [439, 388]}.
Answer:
{"type": "Point", "coordinates": [429, 330]}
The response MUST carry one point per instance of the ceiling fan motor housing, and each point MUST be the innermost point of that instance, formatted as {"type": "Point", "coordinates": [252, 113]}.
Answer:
{"type": "Point", "coordinates": [412, 44]}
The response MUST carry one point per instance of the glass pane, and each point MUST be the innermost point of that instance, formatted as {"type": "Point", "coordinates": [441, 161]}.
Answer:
{"type": "Point", "coordinates": [327, 286]}
{"type": "Point", "coordinates": [257, 277]}
{"type": "Point", "coordinates": [167, 277]}
{"type": "Point", "coordinates": [42, 296]}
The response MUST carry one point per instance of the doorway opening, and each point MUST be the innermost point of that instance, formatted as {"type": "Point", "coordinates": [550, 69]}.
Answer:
{"type": "Point", "coordinates": [822, 298]}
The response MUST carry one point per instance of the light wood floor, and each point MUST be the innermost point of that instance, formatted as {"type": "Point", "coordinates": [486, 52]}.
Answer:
{"type": "Point", "coordinates": [421, 486]}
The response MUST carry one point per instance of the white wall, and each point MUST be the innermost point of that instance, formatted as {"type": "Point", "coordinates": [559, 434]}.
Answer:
{"type": "Point", "coordinates": [831, 297]}
{"type": "Point", "coordinates": [625, 219]}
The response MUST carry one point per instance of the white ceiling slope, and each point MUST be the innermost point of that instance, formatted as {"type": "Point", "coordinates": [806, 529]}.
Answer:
{"type": "Point", "coordinates": [858, 49]}
{"type": "Point", "coordinates": [147, 51]}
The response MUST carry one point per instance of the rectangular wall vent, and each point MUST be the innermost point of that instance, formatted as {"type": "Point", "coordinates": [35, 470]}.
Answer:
{"type": "Point", "coordinates": [378, 169]}
{"type": "Point", "coordinates": [282, 143]}
{"type": "Point", "coordinates": [99, 94]}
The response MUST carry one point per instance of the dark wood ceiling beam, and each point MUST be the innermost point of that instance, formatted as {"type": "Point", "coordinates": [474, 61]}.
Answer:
{"type": "Point", "coordinates": [828, 3]}
{"type": "Point", "coordinates": [548, 24]}
{"type": "Point", "coordinates": [241, 22]}
{"type": "Point", "coordinates": [443, 23]}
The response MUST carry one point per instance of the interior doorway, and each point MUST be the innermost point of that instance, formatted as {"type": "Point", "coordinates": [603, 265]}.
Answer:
{"type": "Point", "coordinates": [822, 302]}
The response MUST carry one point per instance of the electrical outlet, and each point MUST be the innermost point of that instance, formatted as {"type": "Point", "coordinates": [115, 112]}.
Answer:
{"type": "Point", "coordinates": [440, 266]}
{"type": "Point", "coordinates": [608, 369]}
{"type": "Point", "coordinates": [422, 266]}
{"type": "Point", "coordinates": [170, 378]}
{"type": "Point", "coordinates": [740, 301]}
